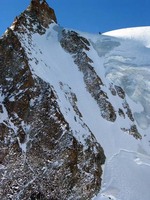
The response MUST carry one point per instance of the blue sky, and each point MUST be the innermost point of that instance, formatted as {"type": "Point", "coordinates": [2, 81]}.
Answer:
{"type": "Point", "coordinates": [85, 15]}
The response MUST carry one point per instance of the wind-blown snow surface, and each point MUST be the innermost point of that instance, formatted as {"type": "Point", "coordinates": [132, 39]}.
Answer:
{"type": "Point", "coordinates": [124, 60]}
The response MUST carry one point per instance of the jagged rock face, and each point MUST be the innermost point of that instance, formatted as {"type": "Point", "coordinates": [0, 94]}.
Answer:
{"type": "Point", "coordinates": [42, 11]}
{"type": "Point", "coordinates": [36, 18]}
{"type": "Point", "coordinates": [75, 44]}
{"type": "Point", "coordinates": [40, 158]}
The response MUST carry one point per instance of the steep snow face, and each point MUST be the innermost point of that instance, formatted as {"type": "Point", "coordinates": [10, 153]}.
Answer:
{"type": "Point", "coordinates": [54, 65]}
{"type": "Point", "coordinates": [123, 61]}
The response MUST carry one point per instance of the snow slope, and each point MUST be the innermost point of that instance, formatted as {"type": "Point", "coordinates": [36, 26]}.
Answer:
{"type": "Point", "coordinates": [127, 64]}
{"type": "Point", "coordinates": [121, 57]}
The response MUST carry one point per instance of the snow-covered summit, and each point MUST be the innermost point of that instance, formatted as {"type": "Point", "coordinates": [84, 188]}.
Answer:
{"type": "Point", "coordinates": [140, 34]}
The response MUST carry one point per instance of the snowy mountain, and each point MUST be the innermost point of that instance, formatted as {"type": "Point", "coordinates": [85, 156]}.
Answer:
{"type": "Point", "coordinates": [74, 111]}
